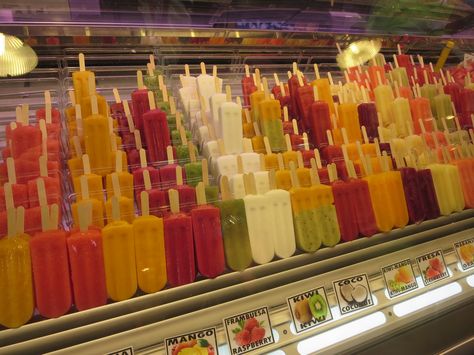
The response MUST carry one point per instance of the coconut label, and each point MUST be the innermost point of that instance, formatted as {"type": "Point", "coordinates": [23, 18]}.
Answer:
{"type": "Point", "coordinates": [197, 342]}
{"type": "Point", "coordinates": [309, 309]}
{"type": "Point", "coordinates": [432, 267]}
{"type": "Point", "coordinates": [399, 278]}
{"type": "Point", "coordinates": [248, 331]}
{"type": "Point", "coordinates": [465, 252]}
{"type": "Point", "coordinates": [353, 293]}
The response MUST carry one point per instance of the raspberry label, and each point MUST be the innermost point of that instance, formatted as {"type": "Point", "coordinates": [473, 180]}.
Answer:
{"type": "Point", "coordinates": [353, 293]}
{"type": "Point", "coordinates": [399, 278]}
{"type": "Point", "coordinates": [248, 331]}
{"type": "Point", "coordinates": [309, 309]}
{"type": "Point", "coordinates": [202, 341]}
{"type": "Point", "coordinates": [432, 267]}
{"type": "Point", "coordinates": [465, 252]}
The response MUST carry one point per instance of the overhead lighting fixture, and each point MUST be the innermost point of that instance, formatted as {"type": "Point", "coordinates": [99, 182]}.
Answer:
{"type": "Point", "coordinates": [358, 53]}
{"type": "Point", "coordinates": [16, 57]}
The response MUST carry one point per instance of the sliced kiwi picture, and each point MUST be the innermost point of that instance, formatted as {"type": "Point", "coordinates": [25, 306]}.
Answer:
{"type": "Point", "coordinates": [318, 306]}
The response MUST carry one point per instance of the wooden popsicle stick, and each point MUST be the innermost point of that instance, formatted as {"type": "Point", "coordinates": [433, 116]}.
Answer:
{"type": "Point", "coordinates": [82, 62]}
{"type": "Point", "coordinates": [186, 70]}
{"type": "Point", "coordinates": [240, 165]}
{"type": "Point", "coordinates": [47, 105]}
{"type": "Point", "coordinates": [173, 106]}
{"type": "Point", "coordinates": [72, 97]}
{"type": "Point", "coordinates": [247, 116]}
{"type": "Point", "coordinates": [165, 94]}
{"type": "Point", "coordinates": [79, 121]}
{"type": "Point", "coordinates": [256, 128]}
{"type": "Point", "coordinates": [8, 191]}
{"type": "Point", "coordinates": [331, 173]}
{"type": "Point", "coordinates": [262, 162]}
{"type": "Point", "coordinates": [272, 179]}
{"type": "Point", "coordinates": [25, 114]}
{"type": "Point", "coordinates": [247, 70]}
{"type": "Point", "coordinates": [316, 71]}
{"type": "Point", "coordinates": [205, 172]}
{"type": "Point", "coordinates": [277, 80]}
{"type": "Point", "coordinates": [265, 89]}
{"type": "Point", "coordinates": [128, 115]}
{"type": "Point", "coordinates": [344, 153]}
{"type": "Point", "coordinates": [377, 147]}
{"type": "Point", "coordinates": [192, 152]}
{"type": "Point", "coordinates": [266, 143]}
{"type": "Point", "coordinates": [282, 89]}
{"type": "Point", "coordinates": [115, 208]}
{"type": "Point", "coordinates": [45, 218]}
{"type": "Point", "coordinates": [11, 171]}
{"type": "Point", "coordinates": [203, 68]}
{"type": "Point", "coordinates": [331, 82]}
{"type": "Point", "coordinates": [43, 165]}
{"type": "Point", "coordinates": [257, 78]}
{"type": "Point", "coordinates": [344, 136]}
{"type": "Point", "coordinates": [299, 157]}
{"type": "Point", "coordinates": [146, 179]}
{"type": "Point", "coordinates": [200, 194]}
{"type": "Point", "coordinates": [329, 135]}
{"type": "Point", "coordinates": [294, 177]}
{"type": "Point", "coordinates": [226, 195]}
{"type": "Point", "coordinates": [140, 80]}
{"type": "Point", "coordinates": [314, 176]}
{"type": "Point", "coordinates": [152, 61]}
{"type": "Point", "coordinates": [94, 106]}
{"type": "Point", "coordinates": [169, 154]}
{"type": "Point", "coordinates": [289, 148]}
{"type": "Point", "coordinates": [228, 93]}
{"type": "Point", "coordinates": [178, 121]}
{"type": "Point", "coordinates": [471, 135]}
{"type": "Point", "coordinates": [364, 135]}
{"type": "Point", "coordinates": [247, 145]}
{"type": "Point", "coordinates": [351, 169]}
{"type": "Point", "coordinates": [221, 146]}
{"type": "Point", "coordinates": [116, 185]}
{"type": "Point", "coordinates": [317, 157]}
{"type": "Point", "coordinates": [252, 185]}
{"type": "Point", "coordinates": [84, 187]}
{"type": "Point", "coordinates": [384, 161]}
{"type": "Point", "coordinates": [145, 203]}
{"type": "Point", "coordinates": [118, 160]}
{"type": "Point", "coordinates": [300, 78]}
{"type": "Point", "coordinates": [295, 126]}
{"type": "Point", "coordinates": [138, 140]}
{"type": "Point", "coordinates": [238, 101]}
{"type": "Point", "coordinates": [315, 93]}
{"type": "Point", "coordinates": [151, 100]}
{"type": "Point", "coordinates": [84, 210]}
{"type": "Point", "coordinates": [18, 114]}
{"type": "Point", "coordinates": [143, 161]}
{"type": "Point", "coordinates": [161, 82]}
{"type": "Point", "coordinates": [295, 68]}
{"type": "Point", "coordinates": [212, 132]}
{"type": "Point", "coordinates": [179, 175]}
{"type": "Point", "coordinates": [182, 134]}
{"type": "Point", "coordinates": [41, 190]}
{"type": "Point", "coordinates": [116, 96]}
{"type": "Point", "coordinates": [281, 165]}
{"type": "Point", "coordinates": [149, 69]}
{"type": "Point", "coordinates": [174, 200]}
{"type": "Point", "coordinates": [214, 71]}
{"type": "Point", "coordinates": [305, 141]}
{"type": "Point", "coordinates": [20, 220]}
{"type": "Point", "coordinates": [285, 114]}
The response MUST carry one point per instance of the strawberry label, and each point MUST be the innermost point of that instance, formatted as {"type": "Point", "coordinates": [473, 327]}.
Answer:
{"type": "Point", "coordinates": [309, 309]}
{"type": "Point", "coordinates": [465, 252]}
{"type": "Point", "coordinates": [432, 267]}
{"type": "Point", "coordinates": [399, 278]}
{"type": "Point", "coordinates": [197, 342]}
{"type": "Point", "coordinates": [248, 331]}
{"type": "Point", "coordinates": [353, 293]}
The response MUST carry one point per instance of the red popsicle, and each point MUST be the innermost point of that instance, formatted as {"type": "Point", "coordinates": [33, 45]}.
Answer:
{"type": "Point", "coordinates": [157, 134]}
{"type": "Point", "coordinates": [140, 102]}
{"type": "Point", "coordinates": [187, 195]}
{"type": "Point", "coordinates": [138, 175]}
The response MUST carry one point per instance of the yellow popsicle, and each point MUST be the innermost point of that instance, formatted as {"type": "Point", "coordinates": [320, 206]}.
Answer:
{"type": "Point", "coordinates": [97, 206]}
{"type": "Point", "coordinates": [125, 178]}
{"type": "Point", "coordinates": [127, 211]}
{"type": "Point", "coordinates": [94, 182]}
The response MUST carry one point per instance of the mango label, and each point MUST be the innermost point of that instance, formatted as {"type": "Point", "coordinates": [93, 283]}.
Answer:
{"type": "Point", "coordinates": [309, 309]}
{"type": "Point", "coordinates": [202, 341]}
{"type": "Point", "coordinates": [399, 278]}
{"type": "Point", "coordinates": [248, 331]}
{"type": "Point", "coordinates": [432, 267]}
{"type": "Point", "coordinates": [465, 252]}
{"type": "Point", "coordinates": [353, 293]}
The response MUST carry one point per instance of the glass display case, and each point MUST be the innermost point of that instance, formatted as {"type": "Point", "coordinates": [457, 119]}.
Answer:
{"type": "Point", "coordinates": [408, 287]}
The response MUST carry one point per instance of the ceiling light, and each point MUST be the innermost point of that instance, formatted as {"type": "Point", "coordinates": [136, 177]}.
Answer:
{"type": "Point", "coordinates": [16, 57]}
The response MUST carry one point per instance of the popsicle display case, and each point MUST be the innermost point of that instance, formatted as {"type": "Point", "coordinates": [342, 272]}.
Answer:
{"type": "Point", "coordinates": [265, 236]}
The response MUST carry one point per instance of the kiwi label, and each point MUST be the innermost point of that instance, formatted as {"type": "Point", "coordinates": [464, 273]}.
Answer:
{"type": "Point", "coordinates": [353, 293]}
{"type": "Point", "coordinates": [203, 340]}
{"type": "Point", "coordinates": [399, 278]}
{"type": "Point", "coordinates": [432, 267]}
{"type": "Point", "coordinates": [309, 309]}
{"type": "Point", "coordinates": [465, 252]}
{"type": "Point", "coordinates": [248, 331]}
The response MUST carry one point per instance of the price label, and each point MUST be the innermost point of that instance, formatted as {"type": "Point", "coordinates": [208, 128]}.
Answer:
{"type": "Point", "coordinates": [399, 278]}
{"type": "Point", "coordinates": [197, 342]}
{"type": "Point", "coordinates": [432, 267]}
{"type": "Point", "coordinates": [248, 331]}
{"type": "Point", "coordinates": [309, 309]}
{"type": "Point", "coordinates": [353, 293]}
{"type": "Point", "coordinates": [124, 351]}
{"type": "Point", "coordinates": [465, 252]}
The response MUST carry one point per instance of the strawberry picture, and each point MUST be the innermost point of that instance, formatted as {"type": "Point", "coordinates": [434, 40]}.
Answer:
{"type": "Point", "coordinates": [248, 332]}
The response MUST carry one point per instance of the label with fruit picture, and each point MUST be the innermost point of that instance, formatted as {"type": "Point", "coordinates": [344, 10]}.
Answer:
{"type": "Point", "coordinates": [353, 293]}
{"type": "Point", "coordinates": [309, 309]}
{"type": "Point", "coordinates": [124, 351]}
{"type": "Point", "coordinates": [465, 252]}
{"type": "Point", "coordinates": [202, 341]}
{"type": "Point", "coordinates": [432, 267]}
{"type": "Point", "coordinates": [399, 278]}
{"type": "Point", "coordinates": [248, 331]}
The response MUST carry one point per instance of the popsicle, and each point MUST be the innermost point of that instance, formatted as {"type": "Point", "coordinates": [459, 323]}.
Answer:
{"type": "Point", "coordinates": [257, 141]}
{"type": "Point", "coordinates": [179, 246]}
{"type": "Point", "coordinates": [304, 100]}
{"type": "Point", "coordinates": [193, 169]}
{"type": "Point", "coordinates": [140, 102]}
{"type": "Point", "coordinates": [324, 89]}
{"type": "Point", "coordinates": [247, 125]}
{"type": "Point", "coordinates": [187, 195]}
{"type": "Point", "coordinates": [157, 134]}
{"type": "Point", "coordinates": [401, 114]}
{"type": "Point", "coordinates": [259, 222]}
{"type": "Point", "coordinates": [215, 101]}
{"type": "Point", "coordinates": [282, 175]}
{"type": "Point", "coordinates": [125, 178]}
{"type": "Point", "coordinates": [319, 120]}
{"type": "Point", "coordinates": [383, 101]}
{"type": "Point", "coordinates": [19, 191]}
{"type": "Point", "coordinates": [262, 182]}
{"type": "Point", "coordinates": [211, 191]}
{"type": "Point", "coordinates": [50, 266]}
{"type": "Point", "coordinates": [94, 182]}
{"type": "Point", "coordinates": [138, 175]}
{"type": "Point", "coordinates": [127, 211]}
{"type": "Point", "coordinates": [87, 104]}
{"type": "Point", "coordinates": [271, 160]}
{"type": "Point", "coordinates": [75, 163]}
{"type": "Point", "coordinates": [83, 199]}
{"type": "Point", "coordinates": [444, 110]}
{"type": "Point", "coordinates": [256, 97]}
{"type": "Point", "coordinates": [86, 260]}
{"type": "Point", "coordinates": [287, 123]}
{"type": "Point", "coordinates": [149, 243]}
{"type": "Point", "coordinates": [270, 119]}
{"type": "Point", "coordinates": [230, 115]}
{"type": "Point", "coordinates": [119, 256]}
{"type": "Point", "coordinates": [226, 164]}
{"type": "Point", "coordinates": [307, 230]}
{"type": "Point", "coordinates": [325, 212]}
{"type": "Point", "coordinates": [80, 80]}
{"type": "Point", "coordinates": [16, 299]}
{"type": "Point", "coordinates": [394, 186]}
{"type": "Point", "coordinates": [206, 84]}
{"type": "Point", "coordinates": [349, 119]}
{"type": "Point", "coordinates": [250, 159]}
